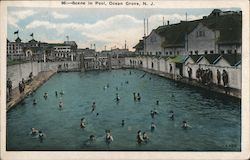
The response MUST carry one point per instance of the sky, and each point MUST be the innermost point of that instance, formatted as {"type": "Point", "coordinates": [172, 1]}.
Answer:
{"type": "Point", "coordinates": [102, 27]}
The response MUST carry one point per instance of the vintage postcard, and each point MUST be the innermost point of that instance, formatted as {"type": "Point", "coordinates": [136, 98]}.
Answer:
{"type": "Point", "coordinates": [124, 79]}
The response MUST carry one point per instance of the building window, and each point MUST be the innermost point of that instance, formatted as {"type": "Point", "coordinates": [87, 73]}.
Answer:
{"type": "Point", "coordinates": [191, 52]}
{"type": "Point", "coordinates": [211, 52]}
{"type": "Point", "coordinates": [205, 51]}
{"type": "Point", "coordinates": [222, 52]}
{"type": "Point", "coordinates": [159, 53]}
{"type": "Point", "coordinates": [196, 52]}
{"type": "Point", "coordinates": [235, 51]}
{"type": "Point", "coordinates": [170, 52]}
{"type": "Point", "coordinates": [200, 34]}
{"type": "Point", "coordinates": [150, 53]}
{"type": "Point", "coordinates": [178, 52]}
{"type": "Point", "coordinates": [156, 53]}
{"type": "Point", "coordinates": [166, 53]}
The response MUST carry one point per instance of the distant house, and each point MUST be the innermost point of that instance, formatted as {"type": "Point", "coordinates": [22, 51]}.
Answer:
{"type": "Point", "coordinates": [15, 49]}
{"type": "Point", "coordinates": [63, 51]}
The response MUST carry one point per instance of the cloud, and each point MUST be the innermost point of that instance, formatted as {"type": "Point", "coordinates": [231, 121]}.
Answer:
{"type": "Point", "coordinates": [111, 31]}
{"type": "Point", "coordinates": [15, 16]}
{"type": "Point", "coordinates": [57, 15]}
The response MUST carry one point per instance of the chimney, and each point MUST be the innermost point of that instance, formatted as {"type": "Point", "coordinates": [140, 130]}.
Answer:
{"type": "Point", "coordinates": [168, 22]}
{"type": "Point", "coordinates": [144, 28]}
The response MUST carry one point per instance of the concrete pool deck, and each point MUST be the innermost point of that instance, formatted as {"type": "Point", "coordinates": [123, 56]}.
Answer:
{"type": "Point", "coordinates": [232, 92]}
{"type": "Point", "coordinates": [37, 81]}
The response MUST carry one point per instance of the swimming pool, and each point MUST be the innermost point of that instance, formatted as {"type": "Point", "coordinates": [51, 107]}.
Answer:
{"type": "Point", "coordinates": [215, 120]}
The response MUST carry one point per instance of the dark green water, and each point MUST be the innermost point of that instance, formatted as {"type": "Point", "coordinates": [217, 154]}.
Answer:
{"type": "Point", "coordinates": [215, 119]}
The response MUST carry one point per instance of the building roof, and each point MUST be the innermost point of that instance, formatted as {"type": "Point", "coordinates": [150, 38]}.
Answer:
{"type": "Point", "coordinates": [71, 43]}
{"type": "Point", "coordinates": [57, 44]}
{"type": "Point", "coordinates": [18, 40]}
{"type": "Point", "coordinates": [33, 41]}
{"type": "Point", "coordinates": [179, 58]}
{"type": "Point", "coordinates": [232, 59]}
{"type": "Point", "coordinates": [194, 57]}
{"type": "Point", "coordinates": [139, 46]}
{"type": "Point", "coordinates": [209, 57]}
{"type": "Point", "coordinates": [229, 26]}
{"type": "Point", "coordinates": [175, 34]}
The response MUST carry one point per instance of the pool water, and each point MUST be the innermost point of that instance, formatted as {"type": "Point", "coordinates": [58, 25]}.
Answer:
{"type": "Point", "coordinates": [215, 120]}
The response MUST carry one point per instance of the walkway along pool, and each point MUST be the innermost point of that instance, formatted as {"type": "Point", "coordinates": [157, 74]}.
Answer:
{"type": "Point", "coordinates": [215, 120]}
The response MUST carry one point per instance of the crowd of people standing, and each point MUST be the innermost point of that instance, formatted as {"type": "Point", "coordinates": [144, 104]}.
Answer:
{"type": "Point", "coordinates": [205, 76]}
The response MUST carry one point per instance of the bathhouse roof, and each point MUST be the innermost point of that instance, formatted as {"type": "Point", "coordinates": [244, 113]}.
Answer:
{"type": "Point", "coordinates": [194, 57]}
{"type": "Point", "coordinates": [209, 57]}
{"type": "Point", "coordinates": [232, 59]}
{"type": "Point", "coordinates": [179, 58]}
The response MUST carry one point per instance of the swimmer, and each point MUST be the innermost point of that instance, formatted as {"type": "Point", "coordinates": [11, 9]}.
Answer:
{"type": "Point", "coordinates": [92, 138]}
{"type": "Point", "coordinates": [153, 126]}
{"type": "Point", "coordinates": [138, 97]}
{"type": "Point", "coordinates": [149, 78]}
{"type": "Point", "coordinates": [157, 102]}
{"type": "Point", "coordinates": [34, 102]}
{"type": "Point", "coordinates": [93, 107]}
{"type": "Point", "coordinates": [134, 96]}
{"type": "Point", "coordinates": [34, 131]}
{"type": "Point", "coordinates": [45, 95]}
{"type": "Point", "coordinates": [130, 73]}
{"type": "Point", "coordinates": [156, 111]}
{"type": "Point", "coordinates": [185, 125]}
{"type": "Point", "coordinates": [105, 87]}
{"type": "Point", "coordinates": [171, 115]}
{"type": "Point", "coordinates": [60, 104]}
{"type": "Point", "coordinates": [123, 123]}
{"type": "Point", "coordinates": [139, 137]}
{"type": "Point", "coordinates": [116, 88]}
{"type": "Point", "coordinates": [108, 85]}
{"type": "Point", "coordinates": [152, 114]}
{"type": "Point", "coordinates": [117, 97]}
{"type": "Point", "coordinates": [145, 137]}
{"type": "Point", "coordinates": [83, 123]}
{"type": "Point", "coordinates": [97, 114]}
{"type": "Point", "coordinates": [61, 93]}
{"type": "Point", "coordinates": [56, 93]}
{"type": "Point", "coordinates": [172, 95]}
{"type": "Point", "coordinates": [41, 136]}
{"type": "Point", "coordinates": [126, 82]}
{"type": "Point", "coordinates": [109, 138]}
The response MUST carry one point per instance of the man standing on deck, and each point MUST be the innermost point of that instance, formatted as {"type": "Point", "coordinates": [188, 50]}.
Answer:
{"type": "Point", "coordinates": [9, 86]}
{"type": "Point", "coordinates": [218, 77]}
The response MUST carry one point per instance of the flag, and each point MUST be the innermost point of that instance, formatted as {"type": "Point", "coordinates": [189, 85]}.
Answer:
{"type": "Point", "coordinates": [31, 34]}
{"type": "Point", "coordinates": [16, 32]}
